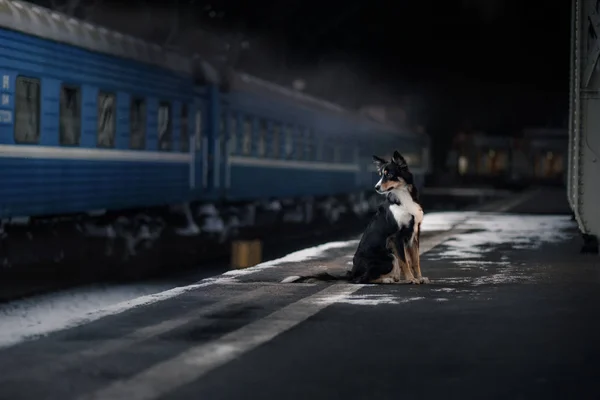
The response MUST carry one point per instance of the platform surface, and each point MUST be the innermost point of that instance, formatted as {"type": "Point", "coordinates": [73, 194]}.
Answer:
{"type": "Point", "coordinates": [511, 313]}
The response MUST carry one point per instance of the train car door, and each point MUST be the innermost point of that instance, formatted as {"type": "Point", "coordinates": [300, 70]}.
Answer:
{"type": "Point", "coordinates": [199, 149]}
{"type": "Point", "coordinates": [220, 154]}
{"type": "Point", "coordinates": [220, 163]}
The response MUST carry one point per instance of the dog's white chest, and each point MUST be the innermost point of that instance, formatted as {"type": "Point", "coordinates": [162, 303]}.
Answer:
{"type": "Point", "coordinates": [401, 215]}
{"type": "Point", "coordinates": [406, 210]}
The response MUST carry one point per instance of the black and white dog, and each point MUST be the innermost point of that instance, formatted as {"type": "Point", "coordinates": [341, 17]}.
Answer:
{"type": "Point", "coordinates": [388, 251]}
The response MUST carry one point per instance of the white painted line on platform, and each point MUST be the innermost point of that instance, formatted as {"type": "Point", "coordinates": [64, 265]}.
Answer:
{"type": "Point", "coordinates": [185, 368]}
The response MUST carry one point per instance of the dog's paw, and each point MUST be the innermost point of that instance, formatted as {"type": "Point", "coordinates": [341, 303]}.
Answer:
{"type": "Point", "coordinates": [387, 280]}
{"type": "Point", "coordinates": [411, 281]}
{"type": "Point", "coordinates": [424, 280]}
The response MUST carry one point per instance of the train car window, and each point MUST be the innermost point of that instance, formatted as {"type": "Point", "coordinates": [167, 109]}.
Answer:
{"type": "Point", "coordinates": [222, 126]}
{"type": "Point", "coordinates": [319, 149]}
{"type": "Point", "coordinates": [247, 144]}
{"type": "Point", "coordinates": [275, 141]}
{"type": "Point", "coordinates": [310, 145]}
{"type": "Point", "coordinates": [328, 153]}
{"type": "Point", "coordinates": [289, 142]}
{"type": "Point", "coordinates": [70, 115]}
{"type": "Point", "coordinates": [262, 138]}
{"type": "Point", "coordinates": [27, 110]}
{"type": "Point", "coordinates": [198, 129]}
{"type": "Point", "coordinates": [106, 119]}
{"type": "Point", "coordinates": [184, 136]}
{"type": "Point", "coordinates": [222, 132]}
{"type": "Point", "coordinates": [137, 124]}
{"type": "Point", "coordinates": [233, 134]}
{"type": "Point", "coordinates": [165, 137]}
{"type": "Point", "coordinates": [300, 143]}
{"type": "Point", "coordinates": [337, 153]}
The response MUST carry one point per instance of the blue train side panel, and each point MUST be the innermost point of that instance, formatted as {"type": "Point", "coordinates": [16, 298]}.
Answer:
{"type": "Point", "coordinates": [280, 179]}
{"type": "Point", "coordinates": [46, 186]}
{"type": "Point", "coordinates": [45, 177]}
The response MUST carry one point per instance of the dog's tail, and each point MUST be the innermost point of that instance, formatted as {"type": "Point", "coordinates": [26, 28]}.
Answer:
{"type": "Point", "coordinates": [323, 277]}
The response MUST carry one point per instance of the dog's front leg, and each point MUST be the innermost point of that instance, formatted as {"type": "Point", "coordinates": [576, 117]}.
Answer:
{"type": "Point", "coordinates": [395, 243]}
{"type": "Point", "coordinates": [415, 260]}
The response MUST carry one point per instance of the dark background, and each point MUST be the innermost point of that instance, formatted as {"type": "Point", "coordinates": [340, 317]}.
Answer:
{"type": "Point", "coordinates": [492, 65]}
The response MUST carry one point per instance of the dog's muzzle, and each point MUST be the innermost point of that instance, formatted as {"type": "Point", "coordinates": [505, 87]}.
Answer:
{"type": "Point", "coordinates": [378, 189]}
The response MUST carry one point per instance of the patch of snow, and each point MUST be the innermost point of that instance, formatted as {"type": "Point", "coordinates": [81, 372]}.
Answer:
{"type": "Point", "coordinates": [453, 280]}
{"type": "Point", "coordinates": [469, 265]}
{"type": "Point", "coordinates": [476, 262]}
{"type": "Point", "coordinates": [213, 224]}
{"type": "Point", "coordinates": [29, 318]}
{"type": "Point", "coordinates": [364, 300]}
{"type": "Point", "coordinates": [272, 206]}
{"type": "Point", "coordinates": [500, 278]}
{"type": "Point", "coordinates": [207, 209]}
{"type": "Point", "coordinates": [99, 231]}
{"type": "Point", "coordinates": [18, 220]}
{"type": "Point", "coordinates": [446, 289]}
{"type": "Point", "coordinates": [191, 229]}
{"type": "Point", "coordinates": [295, 215]}
{"type": "Point", "coordinates": [521, 232]}
{"type": "Point", "coordinates": [444, 221]}
{"type": "Point", "coordinates": [298, 256]}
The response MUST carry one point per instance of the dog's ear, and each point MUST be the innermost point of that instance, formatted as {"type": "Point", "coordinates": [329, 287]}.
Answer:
{"type": "Point", "coordinates": [379, 162]}
{"type": "Point", "coordinates": [398, 159]}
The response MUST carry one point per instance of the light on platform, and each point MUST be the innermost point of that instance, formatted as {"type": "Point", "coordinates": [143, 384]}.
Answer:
{"type": "Point", "coordinates": [299, 84]}
{"type": "Point", "coordinates": [463, 165]}
{"type": "Point", "coordinates": [246, 253]}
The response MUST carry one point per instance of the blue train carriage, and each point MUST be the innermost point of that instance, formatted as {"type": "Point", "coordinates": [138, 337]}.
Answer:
{"type": "Point", "coordinates": [90, 119]}
{"type": "Point", "coordinates": [281, 143]}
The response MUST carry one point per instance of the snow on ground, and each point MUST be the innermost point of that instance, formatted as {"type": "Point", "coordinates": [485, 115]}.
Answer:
{"type": "Point", "coordinates": [46, 313]}
{"type": "Point", "coordinates": [518, 231]}
{"type": "Point", "coordinates": [365, 300]}
{"type": "Point", "coordinates": [297, 256]}
{"type": "Point", "coordinates": [469, 249]}
{"type": "Point", "coordinates": [443, 221]}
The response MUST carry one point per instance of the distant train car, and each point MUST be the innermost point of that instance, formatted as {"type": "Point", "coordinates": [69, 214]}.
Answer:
{"type": "Point", "coordinates": [547, 152]}
{"type": "Point", "coordinates": [536, 156]}
{"type": "Point", "coordinates": [282, 143]}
